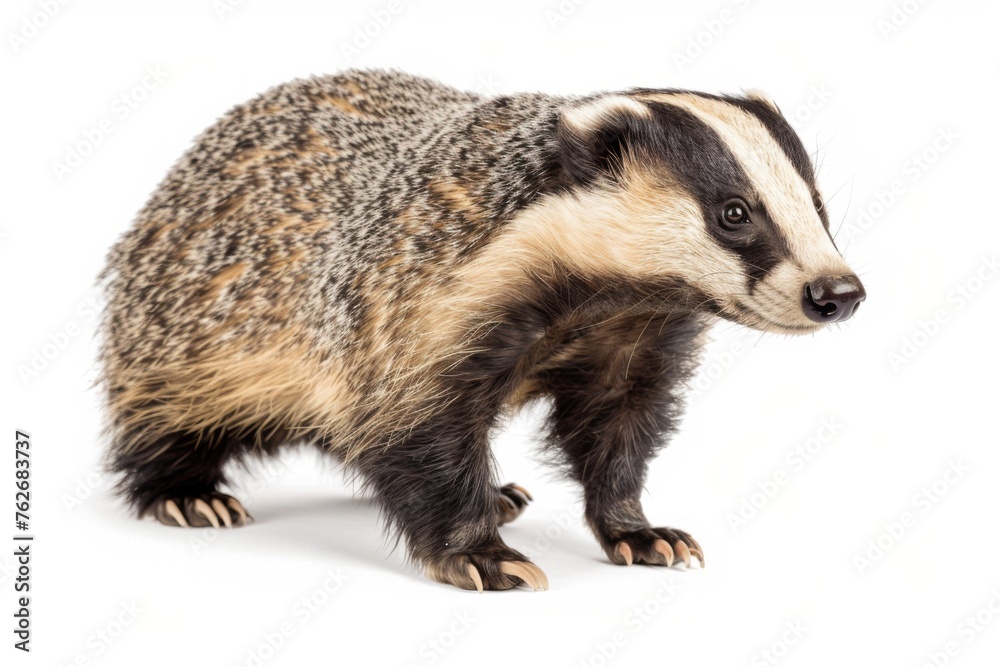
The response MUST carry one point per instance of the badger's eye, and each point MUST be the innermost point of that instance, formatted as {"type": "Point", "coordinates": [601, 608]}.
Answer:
{"type": "Point", "coordinates": [734, 214]}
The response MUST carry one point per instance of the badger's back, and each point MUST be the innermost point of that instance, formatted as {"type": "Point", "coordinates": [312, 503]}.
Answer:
{"type": "Point", "coordinates": [275, 189]}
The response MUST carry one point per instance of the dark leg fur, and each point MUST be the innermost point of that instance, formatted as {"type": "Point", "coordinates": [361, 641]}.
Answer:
{"type": "Point", "coordinates": [615, 405]}
{"type": "Point", "coordinates": [437, 490]}
{"type": "Point", "coordinates": [437, 486]}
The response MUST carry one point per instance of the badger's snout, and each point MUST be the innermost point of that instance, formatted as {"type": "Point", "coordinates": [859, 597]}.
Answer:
{"type": "Point", "coordinates": [832, 298]}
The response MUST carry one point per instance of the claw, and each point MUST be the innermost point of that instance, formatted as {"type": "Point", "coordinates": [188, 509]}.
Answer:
{"type": "Point", "coordinates": [174, 512]}
{"type": "Point", "coordinates": [523, 491]}
{"type": "Point", "coordinates": [238, 508]}
{"type": "Point", "coordinates": [517, 494]}
{"type": "Point", "coordinates": [202, 508]}
{"type": "Point", "coordinates": [508, 510]}
{"type": "Point", "coordinates": [474, 575]}
{"type": "Point", "coordinates": [222, 512]}
{"type": "Point", "coordinates": [541, 577]}
{"type": "Point", "coordinates": [697, 554]}
{"type": "Point", "coordinates": [526, 572]}
{"type": "Point", "coordinates": [683, 553]}
{"type": "Point", "coordinates": [694, 543]}
{"type": "Point", "coordinates": [625, 551]}
{"type": "Point", "coordinates": [663, 547]}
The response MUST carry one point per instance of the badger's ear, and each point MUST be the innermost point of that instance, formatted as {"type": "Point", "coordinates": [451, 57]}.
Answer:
{"type": "Point", "coordinates": [758, 95]}
{"type": "Point", "coordinates": [593, 135]}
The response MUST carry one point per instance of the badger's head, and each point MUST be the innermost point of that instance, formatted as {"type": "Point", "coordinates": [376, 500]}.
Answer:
{"type": "Point", "coordinates": [717, 193]}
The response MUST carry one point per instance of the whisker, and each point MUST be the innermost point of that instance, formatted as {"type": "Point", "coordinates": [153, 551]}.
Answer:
{"type": "Point", "coordinates": [849, 181]}
{"type": "Point", "coordinates": [850, 198]}
{"type": "Point", "coordinates": [628, 364]}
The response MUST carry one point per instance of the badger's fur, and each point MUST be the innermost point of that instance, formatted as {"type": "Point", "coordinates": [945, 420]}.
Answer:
{"type": "Point", "coordinates": [383, 265]}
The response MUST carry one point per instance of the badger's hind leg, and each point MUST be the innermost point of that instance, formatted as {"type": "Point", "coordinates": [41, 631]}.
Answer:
{"type": "Point", "coordinates": [175, 478]}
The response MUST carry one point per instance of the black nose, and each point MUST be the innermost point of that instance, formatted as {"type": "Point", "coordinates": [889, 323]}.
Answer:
{"type": "Point", "coordinates": [832, 299]}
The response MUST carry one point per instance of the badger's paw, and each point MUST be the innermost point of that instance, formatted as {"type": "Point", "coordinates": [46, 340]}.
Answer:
{"type": "Point", "coordinates": [654, 546]}
{"type": "Point", "coordinates": [211, 509]}
{"type": "Point", "coordinates": [511, 502]}
{"type": "Point", "coordinates": [494, 570]}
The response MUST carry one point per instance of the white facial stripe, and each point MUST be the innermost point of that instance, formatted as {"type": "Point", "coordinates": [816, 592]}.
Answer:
{"type": "Point", "coordinates": [592, 115]}
{"type": "Point", "coordinates": [786, 195]}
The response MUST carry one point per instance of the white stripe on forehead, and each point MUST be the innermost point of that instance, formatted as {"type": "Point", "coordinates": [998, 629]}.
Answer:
{"type": "Point", "coordinates": [786, 195]}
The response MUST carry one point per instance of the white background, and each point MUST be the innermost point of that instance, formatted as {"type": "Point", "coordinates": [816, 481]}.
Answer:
{"type": "Point", "coordinates": [903, 116]}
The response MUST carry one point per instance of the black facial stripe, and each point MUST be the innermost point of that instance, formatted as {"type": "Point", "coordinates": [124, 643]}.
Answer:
{"type": "Point", "coordinates": [700, 157]}
{"type": "Point", "coordinates": [779, 129]}
{"type": "Point", "coordinates": [760, 258]}
{"type": "Point", "coordinates": [696, 153]}
{"type": "Point", "coordinates": [777, 126]}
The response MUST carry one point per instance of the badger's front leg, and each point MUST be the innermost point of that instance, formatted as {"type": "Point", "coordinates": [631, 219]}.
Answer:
{"type": "Point", "coordinates": [615, 405]}
{"type": "Point", "coordinates": [437, 488]}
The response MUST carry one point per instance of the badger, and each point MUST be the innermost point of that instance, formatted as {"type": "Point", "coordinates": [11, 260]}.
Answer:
{"type": "Point", "coordinates": [386, 267]}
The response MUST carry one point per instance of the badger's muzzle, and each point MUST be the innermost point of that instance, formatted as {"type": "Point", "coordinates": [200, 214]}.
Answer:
{"type": "Point", "coordinates": [833, 298]}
